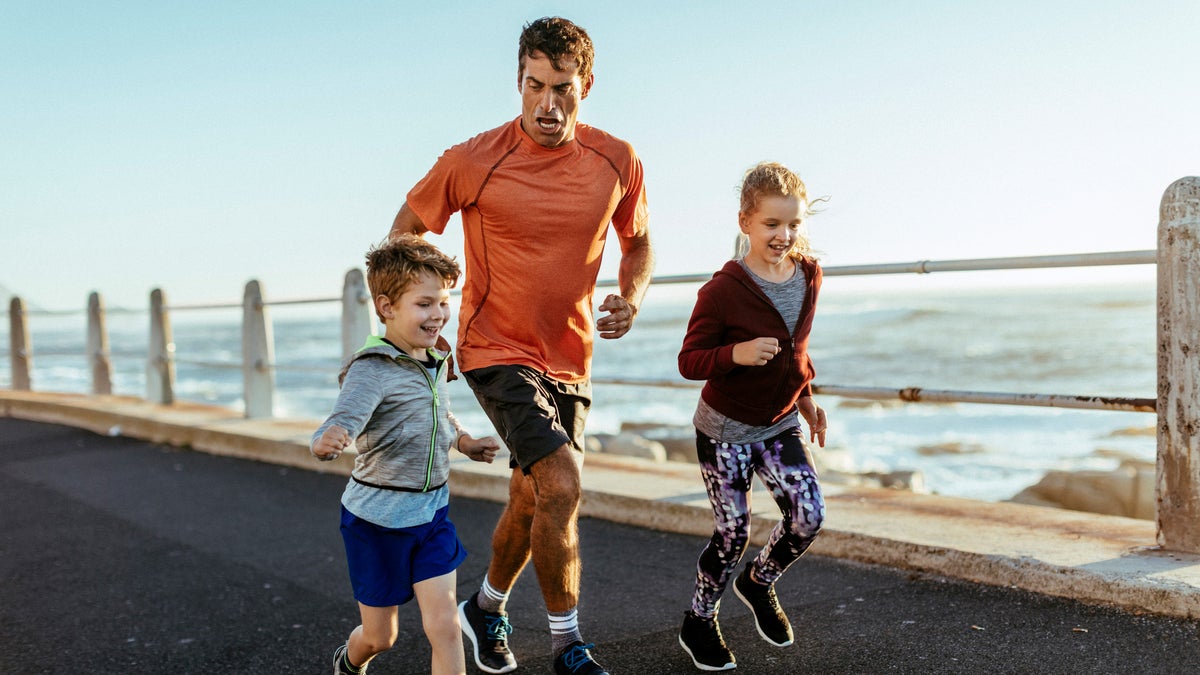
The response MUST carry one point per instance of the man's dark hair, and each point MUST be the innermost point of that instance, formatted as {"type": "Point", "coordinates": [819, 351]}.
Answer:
{"type": "Point", "coordinates": [556, 37]}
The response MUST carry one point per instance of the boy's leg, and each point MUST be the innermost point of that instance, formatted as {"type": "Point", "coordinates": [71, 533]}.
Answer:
{"type": "Point", "coordinates": [439, 617]}
{"type": "Point", "coordinates": [378, 632]}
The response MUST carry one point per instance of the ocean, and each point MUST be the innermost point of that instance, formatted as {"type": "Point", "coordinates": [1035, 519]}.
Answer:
{"type": "Point", "coordinates": [1078, 340]}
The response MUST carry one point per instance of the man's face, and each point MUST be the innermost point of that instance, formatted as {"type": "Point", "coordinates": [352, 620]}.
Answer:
{"type": "Point", "coordinates": [550, 99]}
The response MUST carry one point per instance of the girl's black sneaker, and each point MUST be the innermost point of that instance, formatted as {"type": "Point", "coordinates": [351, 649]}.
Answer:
{"type": "Point", "coordinates": [701, 638]}
{"type": "Point", "coordinates": [769, 619]}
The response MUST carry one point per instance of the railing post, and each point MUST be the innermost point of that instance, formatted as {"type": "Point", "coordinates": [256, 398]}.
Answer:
{"type": "Point", "coordinates": [97, 346]}
{"type": "Point", "coordinates": [160, 361]}
{"type": "Point", "coordinates": [358, 312]}
{"type": "Point", "coordinates": [21, 354]}
{"type": "Point", "coordinates": [258, 354]}
{"type": "Point", "coordinates": [1178, 488]}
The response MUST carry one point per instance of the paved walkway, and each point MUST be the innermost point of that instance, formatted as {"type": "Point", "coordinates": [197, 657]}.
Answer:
{"type": "Point", "coordinates": [123, 556]}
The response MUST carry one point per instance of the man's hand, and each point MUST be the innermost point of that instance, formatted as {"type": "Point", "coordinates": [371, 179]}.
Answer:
{"type": "Point", "coordinates": [619, 319]}
{"type": "Point", "coordinates": [479, 449]}
{"type": "Point", "coordinates": [331, 443]}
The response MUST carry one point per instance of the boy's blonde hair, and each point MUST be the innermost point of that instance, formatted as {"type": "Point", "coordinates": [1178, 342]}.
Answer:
{"type": "Point", "coordinates": [772, 179]}
{"type": "Point", "coordinates": [396, 264]}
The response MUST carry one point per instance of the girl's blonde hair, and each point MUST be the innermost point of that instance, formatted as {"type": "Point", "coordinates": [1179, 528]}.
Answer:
{"type": "Point", "coordinates": [772, 179]}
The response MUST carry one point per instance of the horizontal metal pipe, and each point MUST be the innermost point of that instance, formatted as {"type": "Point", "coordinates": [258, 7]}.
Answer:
{"type": "Point", "coordinates": [1142, 257]}
{"type": "Point", "coordinates": [921, 395]}
{"type": "Point", "coordinates": [1146, 257]}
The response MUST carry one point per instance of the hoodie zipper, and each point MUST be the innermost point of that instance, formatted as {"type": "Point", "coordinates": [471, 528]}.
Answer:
{"type": "Point", "coordinates": [432, 382]}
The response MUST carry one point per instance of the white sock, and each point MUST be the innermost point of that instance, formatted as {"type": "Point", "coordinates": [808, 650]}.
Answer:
{"type": "Point", "coordinates": [491, 600]}
{"type": "Point", "coordinates": [564, 629]}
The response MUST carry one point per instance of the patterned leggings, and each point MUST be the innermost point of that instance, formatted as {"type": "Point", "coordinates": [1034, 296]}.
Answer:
{"type": "Point", "coordinates": [785, 468]}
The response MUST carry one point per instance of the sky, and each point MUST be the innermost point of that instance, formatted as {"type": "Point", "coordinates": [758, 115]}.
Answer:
{"type": "Point", "coordinates": [194, 146]}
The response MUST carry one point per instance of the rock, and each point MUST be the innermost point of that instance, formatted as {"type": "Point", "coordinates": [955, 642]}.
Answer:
{"type": "Point", "coordinates": [1126, 491]}
{"type": "Point", "coordinates": [950, 448]}
{"type": "Point", "coordinates": [900, 480]}
{"type": "Point", "coordinates": [631, 445]}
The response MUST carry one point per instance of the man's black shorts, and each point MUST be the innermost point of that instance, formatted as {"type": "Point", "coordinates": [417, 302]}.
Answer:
{"type": "Point", "coordinates": [534, 414]}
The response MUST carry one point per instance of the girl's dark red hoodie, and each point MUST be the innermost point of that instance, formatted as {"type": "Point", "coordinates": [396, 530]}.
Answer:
{"type": "Point", "coordinates": [731, 308]}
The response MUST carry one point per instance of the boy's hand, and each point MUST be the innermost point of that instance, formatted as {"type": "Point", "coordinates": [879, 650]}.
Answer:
{"type": "Point", "coordinates": [815, 416]}
{"type": "Point", "coordinates": [756, 352]}
{"type": "Point", "coordinates": [331, 443]}
{"type": "Point", "coordinates": [479, 449]}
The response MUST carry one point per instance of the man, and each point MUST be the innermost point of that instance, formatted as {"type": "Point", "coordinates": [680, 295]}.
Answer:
{"type": "Point", "coordinates": [537, 196]}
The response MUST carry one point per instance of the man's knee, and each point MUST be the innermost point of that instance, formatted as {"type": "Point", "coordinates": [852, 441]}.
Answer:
{"type": "Point", "coordinates": [556, 481]}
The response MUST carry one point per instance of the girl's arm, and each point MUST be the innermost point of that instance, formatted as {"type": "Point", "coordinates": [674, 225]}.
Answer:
{"type": "Point", "coordinates": [815, 416]}
{"type": "Point", "coordinates": [703, 355]}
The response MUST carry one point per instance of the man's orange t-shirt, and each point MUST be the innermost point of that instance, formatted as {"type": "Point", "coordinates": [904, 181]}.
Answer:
{"type": "Point", "coordinates": [535, 221]}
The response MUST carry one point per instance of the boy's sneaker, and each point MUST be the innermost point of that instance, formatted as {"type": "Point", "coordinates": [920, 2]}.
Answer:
{"type": "Point", "coordinates": [489, 636]}
{"type": "Point", "coordinates": [701, 638]}
{"type": "Point", "coordinates": [338, 654]}
{"type": "Point", "coordinates": [577, 660]}
{"type": "Point", "coordinates": [769, 619]}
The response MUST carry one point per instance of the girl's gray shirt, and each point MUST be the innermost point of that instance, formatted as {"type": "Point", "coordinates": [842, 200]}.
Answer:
{"type": "Point", "coordinates": [397, 410]}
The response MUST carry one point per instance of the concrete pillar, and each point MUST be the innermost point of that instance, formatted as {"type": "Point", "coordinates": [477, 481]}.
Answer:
{"type": "Point", "coordinates": [99, 358]}
{"type": "Point", "coordinates": [20, 347]}
{"type": "Point", "coordinates": [160, 360]}
{"type": "Point", "coordinates": [258, 354]}
{"type": "Point", "coordinates": [358, 312]}
{"type": "Point", "coordinates": [1178, 473]}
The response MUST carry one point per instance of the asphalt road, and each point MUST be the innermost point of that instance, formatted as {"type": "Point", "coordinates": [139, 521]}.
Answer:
{"type": "Point", "coordinates": [119, 556]}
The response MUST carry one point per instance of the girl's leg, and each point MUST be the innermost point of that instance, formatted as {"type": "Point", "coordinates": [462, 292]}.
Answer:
{"type": "Point", "coordinates": [439, 616]}
{"type": "Point", "coordinates": [726, 470]}
{"type": "Point", "coordinates": [784, 465]}
{"type": "Point", "coordinates": [377, 633]}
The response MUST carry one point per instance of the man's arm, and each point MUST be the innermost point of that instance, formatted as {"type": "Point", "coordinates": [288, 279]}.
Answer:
{"type": "Point", "coordinates": [407, 221]}
{"type": "Point", "coordinates": [637, 264]}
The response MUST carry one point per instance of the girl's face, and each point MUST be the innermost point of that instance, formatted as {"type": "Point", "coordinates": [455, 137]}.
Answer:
{"type": "Point", "coordinates": [773, 229]}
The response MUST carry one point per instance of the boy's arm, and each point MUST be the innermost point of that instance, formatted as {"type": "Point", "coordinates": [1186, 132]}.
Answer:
{"type": "Point", "coordinates": [479, 449]}
{"type": "Point", "coordinates": [360, 394]}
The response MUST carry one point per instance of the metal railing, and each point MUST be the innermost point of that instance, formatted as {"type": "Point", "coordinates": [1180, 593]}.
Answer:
{"type": "Point", "coordinates": [1177, 404]}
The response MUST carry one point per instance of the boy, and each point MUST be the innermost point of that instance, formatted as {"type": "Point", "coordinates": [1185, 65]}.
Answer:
{"type": "Point", "coordinates": [392, 404]}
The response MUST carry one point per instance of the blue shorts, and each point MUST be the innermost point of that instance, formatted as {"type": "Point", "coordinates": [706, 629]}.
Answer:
{"type": "Point", "coordinates": [385, 562]}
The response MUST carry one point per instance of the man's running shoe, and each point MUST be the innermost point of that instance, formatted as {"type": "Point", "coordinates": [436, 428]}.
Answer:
{"type": "Point", "coordinates": [577, 660]}
{"type": "Point", "coordinates": [701, 638]}
{"type": "Point", "coordinates": [489, 636]}
{"type": "Point", "coordinates": [769, 619]}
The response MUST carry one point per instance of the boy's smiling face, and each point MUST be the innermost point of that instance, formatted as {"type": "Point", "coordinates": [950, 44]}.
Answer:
{"type": "Point", "coordinates": [414, 321]}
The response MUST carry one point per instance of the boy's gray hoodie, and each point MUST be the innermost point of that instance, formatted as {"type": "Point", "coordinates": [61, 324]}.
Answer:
{"type": "Point", "coordinates": [397, 411]}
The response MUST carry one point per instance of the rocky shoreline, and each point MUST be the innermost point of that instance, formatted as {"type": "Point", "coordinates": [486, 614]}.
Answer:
{"type": "Point", "coordinates": [1125, 491]}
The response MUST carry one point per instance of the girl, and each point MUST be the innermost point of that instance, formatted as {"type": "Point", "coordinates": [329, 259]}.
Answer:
{"type": "Point", "coordinates": [747, 338]}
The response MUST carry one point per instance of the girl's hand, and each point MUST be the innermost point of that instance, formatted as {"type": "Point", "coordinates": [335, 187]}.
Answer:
{"type": "Point", "coordinates": [479, 449]}
{"type": "Point", "coordinates": [756, 352]}
{"type": "Point", "coordinates": [331, 443]}
{"type": "Point", "coordinates": [815, 416]}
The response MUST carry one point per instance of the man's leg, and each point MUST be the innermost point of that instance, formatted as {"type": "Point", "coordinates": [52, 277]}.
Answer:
{"type": "Point", "coordinates": [510, 540]}
{"type": "Point", "coordinates": [554, 529]}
